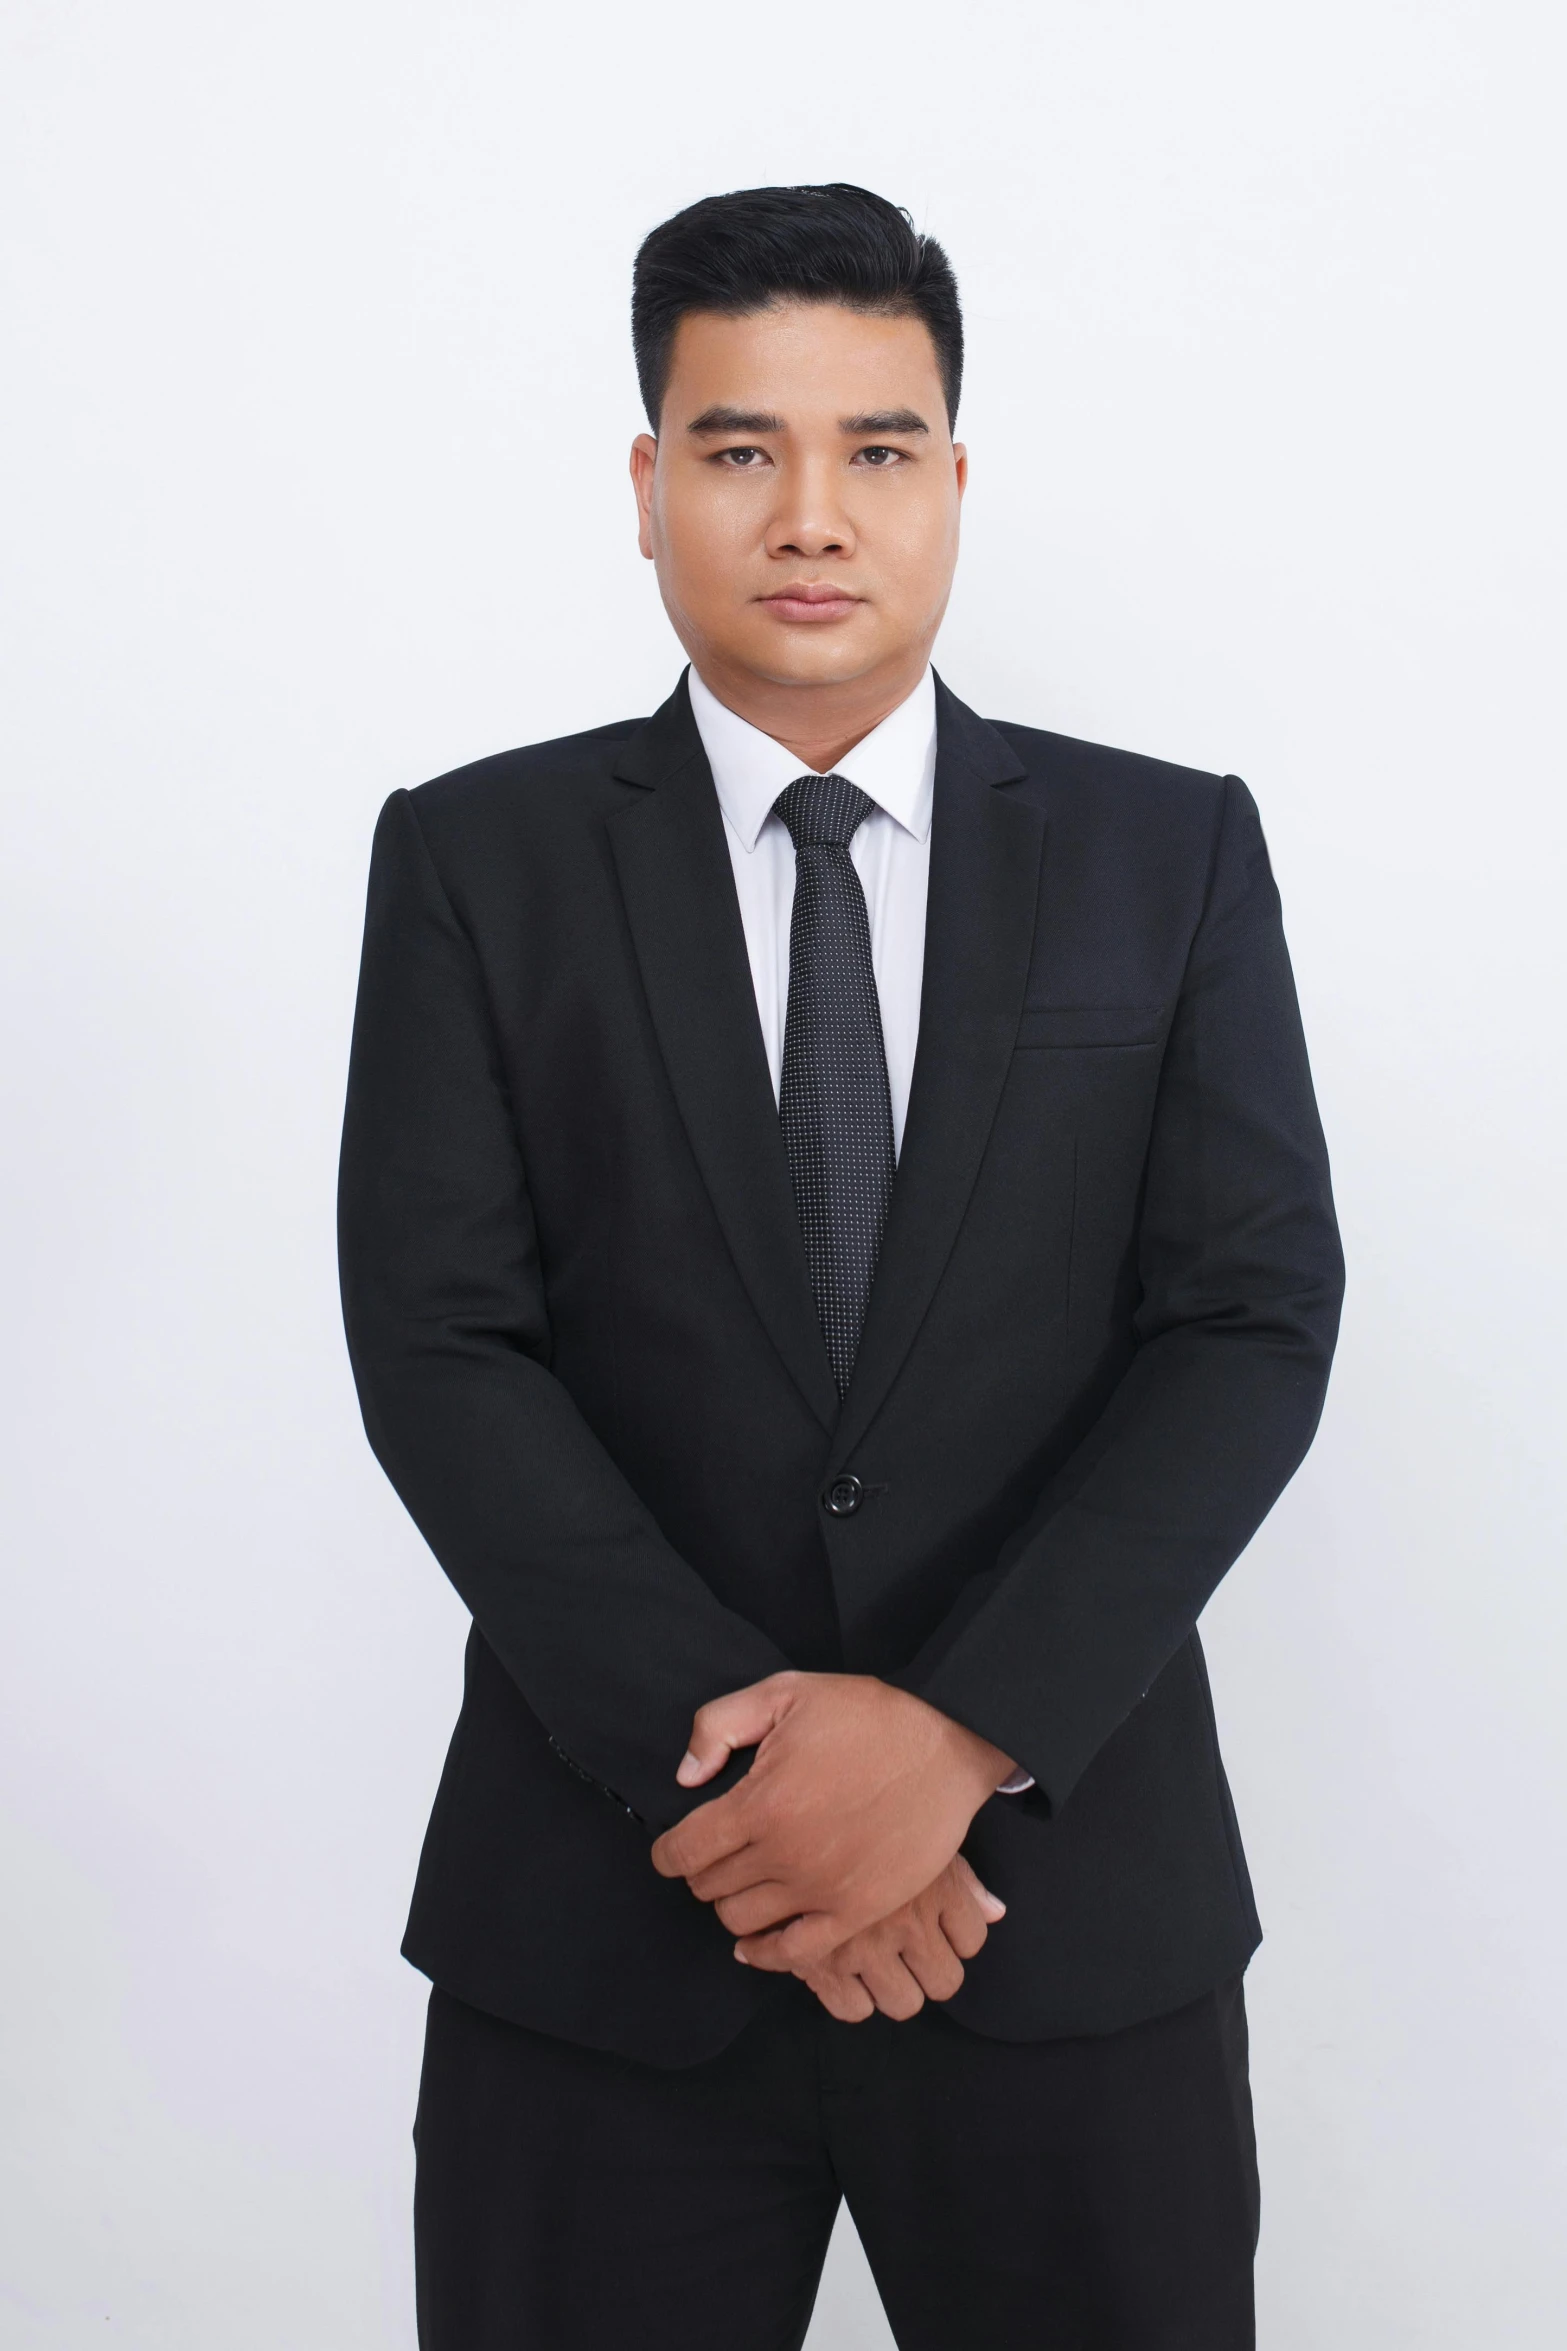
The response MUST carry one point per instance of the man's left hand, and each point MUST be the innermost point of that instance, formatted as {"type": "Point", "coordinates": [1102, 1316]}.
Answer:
{"type": "Point", "coordinates": [858, 1797]}
{"type": "Point", "coordinates": [902, 1961]}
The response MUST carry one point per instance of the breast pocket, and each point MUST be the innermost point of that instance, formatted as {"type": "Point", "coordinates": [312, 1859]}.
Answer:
{"type": "Point", "coordinates": [1078, 1027]}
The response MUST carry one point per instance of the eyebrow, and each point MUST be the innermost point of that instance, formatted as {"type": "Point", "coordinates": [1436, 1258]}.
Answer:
{"type": "Point", "coordinates": [884, 420]}
{"type": "Point", "coordinates": [735, 420]}
{"type": "Point", "coordinates": [720, 419]}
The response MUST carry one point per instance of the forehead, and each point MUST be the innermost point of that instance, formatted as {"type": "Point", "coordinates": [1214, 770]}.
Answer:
{"type": "Point", "coordinates": [802, 361]}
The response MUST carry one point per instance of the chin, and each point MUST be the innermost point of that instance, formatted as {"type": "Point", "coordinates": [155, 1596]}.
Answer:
{"type": "Point", "coordinates": [810, 656]}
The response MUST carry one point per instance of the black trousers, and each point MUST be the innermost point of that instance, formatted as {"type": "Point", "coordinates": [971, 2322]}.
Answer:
{"type": "Point", "coordinates": [1056, 2194]}
{"type": "Point", "coordinates": [1087, 2195]}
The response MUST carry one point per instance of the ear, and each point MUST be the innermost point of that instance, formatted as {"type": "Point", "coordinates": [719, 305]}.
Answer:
{"type": "Point", "coordinates": [644, 456]}
{"type": "Point", "coordinates": [960, 461]}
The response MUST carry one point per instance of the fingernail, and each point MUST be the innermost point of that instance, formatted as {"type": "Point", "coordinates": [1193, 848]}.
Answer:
{"type": "Point", "coordinates": [740, 1955]}
{"type": "Point", "coordinates": [689, 1767]}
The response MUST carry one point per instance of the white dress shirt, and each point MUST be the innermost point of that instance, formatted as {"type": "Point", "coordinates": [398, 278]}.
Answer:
{"type": "Point", "coordinates": [895, 767]}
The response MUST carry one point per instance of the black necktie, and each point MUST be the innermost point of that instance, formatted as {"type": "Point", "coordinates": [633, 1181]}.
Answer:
{"type": "Point", "coordinates": [832, 1096]}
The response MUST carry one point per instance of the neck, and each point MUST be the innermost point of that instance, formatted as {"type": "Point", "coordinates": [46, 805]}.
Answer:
{"type": "Point", "coordinates": [816, 724]}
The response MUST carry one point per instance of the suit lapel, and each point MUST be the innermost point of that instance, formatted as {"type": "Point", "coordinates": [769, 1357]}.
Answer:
{"type": "Point", "coordinates": [678, 886]}
{"type": "Point", "coordinates": [979, 935]}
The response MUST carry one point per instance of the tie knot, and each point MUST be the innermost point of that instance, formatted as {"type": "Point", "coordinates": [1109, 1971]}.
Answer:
{"type": "Point", "coordinates": [822, 812]}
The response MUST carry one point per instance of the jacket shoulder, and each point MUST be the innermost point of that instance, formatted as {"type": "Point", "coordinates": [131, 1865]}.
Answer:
{"type": "Point", "coordinates": [537, 779]}
{"type": "Point", "coordinates": [1065, 762]}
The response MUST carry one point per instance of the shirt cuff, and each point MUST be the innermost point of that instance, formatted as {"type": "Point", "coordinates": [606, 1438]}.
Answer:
{"type": "Point", "coordinates": [1018, 1785]}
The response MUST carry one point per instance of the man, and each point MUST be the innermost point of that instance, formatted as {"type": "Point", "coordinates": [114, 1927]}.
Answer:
{"type": "Point", "coordinates": [838, 1260]}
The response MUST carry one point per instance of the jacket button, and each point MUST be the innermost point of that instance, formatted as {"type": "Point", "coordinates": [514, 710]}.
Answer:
{"type": "Point", "coordinates": [843, 1497]}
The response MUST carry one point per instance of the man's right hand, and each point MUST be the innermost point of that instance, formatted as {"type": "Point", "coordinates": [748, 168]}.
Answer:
{"type": "Point", "coordinates": [915, 1955]}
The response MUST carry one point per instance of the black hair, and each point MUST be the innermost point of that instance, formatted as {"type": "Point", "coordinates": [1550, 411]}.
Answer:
{"type": "Point", "coordinates": [746, 251]}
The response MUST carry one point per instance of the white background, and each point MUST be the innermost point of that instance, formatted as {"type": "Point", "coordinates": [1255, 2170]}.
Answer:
{"type": "Point", "coordinates": [314, 455]}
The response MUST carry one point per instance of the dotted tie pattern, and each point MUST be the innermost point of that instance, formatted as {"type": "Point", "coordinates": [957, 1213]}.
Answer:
{"type": "Point", "coordinates": [833, 1100]}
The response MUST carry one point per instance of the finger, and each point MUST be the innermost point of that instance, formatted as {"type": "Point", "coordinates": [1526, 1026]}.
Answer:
{"type": "Point", "coordinates": [843, 1996]}
{"type": "Point", "coordinates": [890, 1984]}
{"type": "Point", "coordinates": [991, 1905]}
{"type": "Point", "coordinates": [758, 1908]}
{"type": "Point", "coordinates": [806, 1941]}
{"type": "Point", "coordinates": [964, 1923]}
{"type": "Point", "coordinates": [763, 1951]}
{"type": "Point", "coordinates": [922, 1942]}
{"type": "Point", "coordinates": [742, 1719]}
{"type": "Point", "coordinates": [704, 1837]}
{"type": "Point", "coordinates": [961, 1920]}
{"type": "Point", "coordinates": [964, 1930]}
{"type": "Point", "coordinates": [934, 1965]}
{"type": "Point", "coordinates": [733, 1875]}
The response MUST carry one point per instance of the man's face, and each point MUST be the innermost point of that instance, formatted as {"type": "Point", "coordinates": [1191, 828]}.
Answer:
{"type": "Point", "coordinates": [801, 500]}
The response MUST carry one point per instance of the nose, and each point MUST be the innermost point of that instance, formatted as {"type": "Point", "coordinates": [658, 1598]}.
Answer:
{"type": "Point", "coordinates": [809, 519]}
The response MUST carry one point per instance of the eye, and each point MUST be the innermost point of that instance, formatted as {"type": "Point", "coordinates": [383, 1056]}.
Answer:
{"type": "Point", "coordinates": [882, 459]}
{"type": "Point", "coordinates": [742, 460]}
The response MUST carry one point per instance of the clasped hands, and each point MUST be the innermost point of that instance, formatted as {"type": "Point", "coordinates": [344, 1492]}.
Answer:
{"type": "Point", "coordinates": [836, 1857]}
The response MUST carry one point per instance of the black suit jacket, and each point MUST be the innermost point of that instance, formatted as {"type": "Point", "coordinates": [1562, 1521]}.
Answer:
{"type": "Point", "coordinates": [583, 1334]}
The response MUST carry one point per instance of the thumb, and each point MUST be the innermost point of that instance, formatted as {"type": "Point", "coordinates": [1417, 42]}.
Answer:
{"type": "Point", "coordinates": [991, 1904]}
{"type": "Point", "coordinates": [743, 1719]}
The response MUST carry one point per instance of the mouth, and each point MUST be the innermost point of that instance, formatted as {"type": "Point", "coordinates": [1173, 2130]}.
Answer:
{"type": "Point", "coordinates": [811, 602]}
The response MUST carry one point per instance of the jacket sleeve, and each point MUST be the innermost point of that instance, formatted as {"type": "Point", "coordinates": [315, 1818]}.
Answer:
{"type": "Point", "coordinates": [1241, 1280]}
{"type": "Point", "coordinates": [613, 1639]}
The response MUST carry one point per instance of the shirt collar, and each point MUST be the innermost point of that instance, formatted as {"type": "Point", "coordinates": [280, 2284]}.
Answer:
{"type": "Point", "coordinates": [895, 765]}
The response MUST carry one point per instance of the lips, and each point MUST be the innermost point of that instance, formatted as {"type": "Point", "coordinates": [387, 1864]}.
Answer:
{"type": "Point", "coordinates": [811, 601]}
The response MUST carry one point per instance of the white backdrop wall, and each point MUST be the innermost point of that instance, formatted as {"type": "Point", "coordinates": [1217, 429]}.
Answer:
{"type": "Point", "coordinates": [316, 419]}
